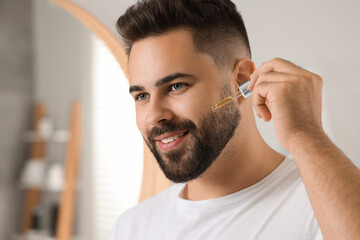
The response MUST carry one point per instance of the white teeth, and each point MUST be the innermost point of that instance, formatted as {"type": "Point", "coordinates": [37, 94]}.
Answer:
{"type": "Point", "coordinates": [170, 139]}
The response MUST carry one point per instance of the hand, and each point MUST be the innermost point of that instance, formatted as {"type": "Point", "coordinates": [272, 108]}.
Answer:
{"type": "Point", "coordinates": [291, 96]}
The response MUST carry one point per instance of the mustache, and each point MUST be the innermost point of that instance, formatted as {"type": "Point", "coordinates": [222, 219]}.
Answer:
{"type": "Point", "coordinates": [171, 127]}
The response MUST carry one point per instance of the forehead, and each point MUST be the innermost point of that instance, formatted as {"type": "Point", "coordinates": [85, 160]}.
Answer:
{"type": "Point", "coordinates": [155, 57]}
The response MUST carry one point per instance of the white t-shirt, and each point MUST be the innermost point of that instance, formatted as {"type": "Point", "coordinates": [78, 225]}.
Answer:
{"type": "Point", "coordinates": [276, 208]}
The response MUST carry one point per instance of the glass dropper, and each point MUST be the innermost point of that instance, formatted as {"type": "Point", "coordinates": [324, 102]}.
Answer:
{"type": "Point", "coordinates": [243, 91]}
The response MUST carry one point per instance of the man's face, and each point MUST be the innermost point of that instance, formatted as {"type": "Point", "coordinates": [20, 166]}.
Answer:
{"type": "Point", "coordinates": [174, 88]}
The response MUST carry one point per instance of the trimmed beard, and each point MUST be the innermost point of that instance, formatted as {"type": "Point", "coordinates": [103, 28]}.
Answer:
{"type": "Point", "coordinates": [204, 146]}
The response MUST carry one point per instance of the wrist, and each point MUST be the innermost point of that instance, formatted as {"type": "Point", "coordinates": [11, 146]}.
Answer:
{"type": "Point", "coordinates": [307, 142]}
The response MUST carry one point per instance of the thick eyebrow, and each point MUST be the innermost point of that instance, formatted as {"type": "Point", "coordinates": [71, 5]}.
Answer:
{"type": "Point", "coordinates": [136, 88]}
{"type": "Point", "coordinates": [162, 81]}
{"type": "Point", "coordinates": [172, 77]}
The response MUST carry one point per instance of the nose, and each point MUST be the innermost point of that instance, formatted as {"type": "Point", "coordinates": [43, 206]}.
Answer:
{"type": "Point", "coordinates": [158, 112]}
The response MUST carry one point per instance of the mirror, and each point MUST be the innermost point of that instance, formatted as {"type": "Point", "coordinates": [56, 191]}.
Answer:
{"type": "Point", "coordinates": [69, 56]}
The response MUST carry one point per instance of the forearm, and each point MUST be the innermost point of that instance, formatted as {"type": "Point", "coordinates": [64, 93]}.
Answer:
{"type": "Point", "coordinates": [332, 183]}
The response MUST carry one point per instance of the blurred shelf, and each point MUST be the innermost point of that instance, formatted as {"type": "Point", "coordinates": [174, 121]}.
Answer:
{"type": "Point", "coordinates": [32, 235]}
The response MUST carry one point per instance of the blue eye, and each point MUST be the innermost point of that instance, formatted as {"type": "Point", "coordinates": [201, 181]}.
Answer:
{"type": "Point", "coordinates": [177, 86]}
{"type": "Point", "coordinates": [141, 97]}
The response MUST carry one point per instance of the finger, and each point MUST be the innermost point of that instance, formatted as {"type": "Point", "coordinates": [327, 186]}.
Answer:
{"type": "Point", "coordinates": [275, 77]}
{"type": "Point", "coordinates": [270, 77]}
{"type": "Point", "coordinates": [278, 65]}
{"type": "Point", "coordinates": [274, 65]}
{"type": "Point", "coordinates": [259, 100]}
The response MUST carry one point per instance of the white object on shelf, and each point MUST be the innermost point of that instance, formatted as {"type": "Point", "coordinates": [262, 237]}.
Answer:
{"type": "Point", "coordinates": [54, 178]}
{"type": "Point", "coordinates": [47, 132]}
{"type": "Point", "coordinates": [46, 128]}
{"type": "Point", "coordinates": [61, 136]}
{"type": "Point", "coordinates": [33, 174]}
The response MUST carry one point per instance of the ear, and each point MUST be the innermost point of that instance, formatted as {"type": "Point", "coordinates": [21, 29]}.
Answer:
{"type": "Point", "coordinates": [242, 70]}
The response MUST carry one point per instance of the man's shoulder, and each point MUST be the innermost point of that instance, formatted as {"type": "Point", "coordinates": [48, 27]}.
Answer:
{"type": "Point", "coordinates": [161, 200]}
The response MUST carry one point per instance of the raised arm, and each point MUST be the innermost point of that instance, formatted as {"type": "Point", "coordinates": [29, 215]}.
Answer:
{"type": "Point", "coordinates": [292, 97]}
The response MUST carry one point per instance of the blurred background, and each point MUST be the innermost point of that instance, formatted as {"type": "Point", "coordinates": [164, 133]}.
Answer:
{"type": "Point", "coordinates": [49, 61]}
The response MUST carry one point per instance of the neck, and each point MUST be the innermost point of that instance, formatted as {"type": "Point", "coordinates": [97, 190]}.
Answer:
{"type": "Point", "coordinates": [245, 160]}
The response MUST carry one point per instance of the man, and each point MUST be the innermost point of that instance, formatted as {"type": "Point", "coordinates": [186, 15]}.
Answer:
{"type": "Point", "coordinates": [185, 56]}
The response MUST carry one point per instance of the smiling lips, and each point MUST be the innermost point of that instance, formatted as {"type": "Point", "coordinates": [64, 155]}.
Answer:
{"type": "Point", "coordinates": [169, 141]}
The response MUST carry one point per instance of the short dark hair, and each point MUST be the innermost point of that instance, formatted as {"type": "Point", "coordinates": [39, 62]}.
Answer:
{"type": "Point", "coordinates": [217, 27]}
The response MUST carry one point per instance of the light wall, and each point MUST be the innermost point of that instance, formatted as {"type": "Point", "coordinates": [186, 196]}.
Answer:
{"type": "Point", "coordinates": [16, 84]}
{"type": "Point", "coordinates": [321, 36]}
{"type": "Point", "coordinates": [63, 41]}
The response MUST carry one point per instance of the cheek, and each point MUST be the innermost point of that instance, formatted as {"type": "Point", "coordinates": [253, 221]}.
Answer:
{"type": "Point", "coordinates": [140, 121]}
{"type": "Point", "coordinates": [199, 101]}
{"type": "Point", "coordinates": [192, 106]}
{"type": "Point", "coordinates": [188, 108]}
